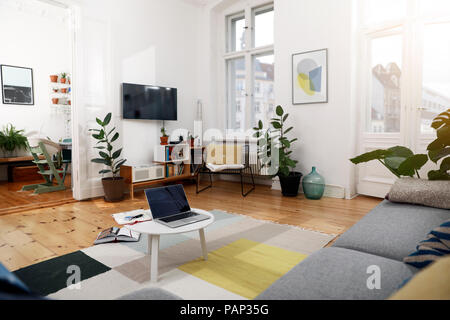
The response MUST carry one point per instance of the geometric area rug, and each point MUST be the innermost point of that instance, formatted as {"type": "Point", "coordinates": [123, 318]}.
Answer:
{"type": "Point", "coordinates": [245, 257]}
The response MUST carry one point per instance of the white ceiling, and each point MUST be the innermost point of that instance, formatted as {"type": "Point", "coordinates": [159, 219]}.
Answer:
{"type": "Point", "coordinates": [201, 2]}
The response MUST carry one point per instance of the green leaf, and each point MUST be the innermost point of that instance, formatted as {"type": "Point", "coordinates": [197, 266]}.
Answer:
{"type": "Point", "coordinates": [293, 140]}
{"type": "Point", "coordinates": [97, 136]}
{"type": "Point", "coordinates": [110, 131]}
{"type": "Point", "coordinates": [96, 130]}
{"type": "Point", "coordinates": [104, 171]}
{"type": "Point", "coordinates": [99, 160]}
{"type": "Point", "coordinates": [441, 120]}
{"type": "Point", "coordinates": [369, 156]}
{"type": "Point", "coordinates": [394, 162]}
{"type": "Point", "coordinates": [99, 121]}
{"type": "Point", "coordinates": [104, 155]}
{"type": "Point", "coordinates": [109, 147]}
{"type": "Point", "coordinates": [115, 137]}
{"type": "Point", "coordinates": [279, 111]}
{"type": "Point", "coordinates": [285, 117]}
{"type": "Point", "coordinates": [117, 153]}
{"type": "Point", "coordinates": [107, 119]}
{"type": "Point", "coordinates": [445, 165]}
{"type": "Point", "coordinates": [438, 175]}
{"type": "Point", "coordinates": [260, 125]}
{"type": "Point", "coordinates": [288, 129]}
{"type": "Point", "coordinates": [436, 155]}
{"type": "Point", "coordinates": [412, 164]}
{"type": "Point", "coordinates": [119, 164]}
{"type": "Point", "coordinates": [399, 151]}
{"type": "Point", "coordinates": [276, 124]}
{"type": "Point", "coordinates": [99, 147]}
{"type": "Point", "coordinates": [286, 143]}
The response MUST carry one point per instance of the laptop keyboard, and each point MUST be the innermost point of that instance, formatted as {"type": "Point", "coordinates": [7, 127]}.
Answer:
{"type": "Point", "coordinates": [179, 216]}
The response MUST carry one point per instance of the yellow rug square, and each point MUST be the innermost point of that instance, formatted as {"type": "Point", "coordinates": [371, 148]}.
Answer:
{"type": "Point", "coordinates": [244, 267]}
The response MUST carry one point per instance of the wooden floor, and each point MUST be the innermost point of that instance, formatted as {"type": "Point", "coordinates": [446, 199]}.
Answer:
{"type": "Point", "coordinates": [13, 200]}
{"type": "Point", "coordinates": [33, 236]}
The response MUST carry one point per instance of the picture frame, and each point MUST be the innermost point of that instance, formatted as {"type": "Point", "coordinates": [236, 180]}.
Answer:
{"type": "Point", "coordinates": [310, 77]}
{"type": "Point", "coordinates": [17, 85]}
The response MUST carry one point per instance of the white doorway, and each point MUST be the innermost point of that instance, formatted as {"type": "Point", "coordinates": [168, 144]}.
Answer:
{"type": "Point", "coordinates": [405, 82]}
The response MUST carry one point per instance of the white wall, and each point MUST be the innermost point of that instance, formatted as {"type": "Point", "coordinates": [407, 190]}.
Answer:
{"type": "Point", "coordinates": [153, 42]}
{"type": "Point", "coordinates": [35, 35]}
{"type": "Point", "coordinates": [326, 131]}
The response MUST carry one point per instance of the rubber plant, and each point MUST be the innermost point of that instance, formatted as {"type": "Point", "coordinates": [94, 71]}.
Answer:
{"type": "Point", "coordinates": [275, 139]}
{"type": "Point", "coordinates": [12, 139]}
{"type": "Point", "coordinates": [108, 156]}
{"type": "Point", "coordinates": [439, 149]}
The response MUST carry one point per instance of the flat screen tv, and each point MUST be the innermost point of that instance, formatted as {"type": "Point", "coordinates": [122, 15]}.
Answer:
{"type": "Point", "coordinates": [149, 102]}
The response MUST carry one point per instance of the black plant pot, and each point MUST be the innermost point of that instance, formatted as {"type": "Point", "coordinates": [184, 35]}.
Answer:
{"type": "Point", "coordinates": [114, 188]}
{"type": "Point", "coordinates": [290, 184]}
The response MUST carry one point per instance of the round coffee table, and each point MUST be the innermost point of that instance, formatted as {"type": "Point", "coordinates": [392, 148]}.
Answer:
{"type": "Point", "coordinates": [155, 230]}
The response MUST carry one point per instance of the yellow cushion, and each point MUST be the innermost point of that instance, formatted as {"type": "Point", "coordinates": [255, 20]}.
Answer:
{"type": "Point", "coordinates": [433, 283]}
{"type": "Point", "coordinates": [224, 153]}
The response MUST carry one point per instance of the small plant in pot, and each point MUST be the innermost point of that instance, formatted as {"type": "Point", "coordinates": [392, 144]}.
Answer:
{"type": "Point", "coordinates": [113, 185]}
{"type": "Point", "coordinates": [275, 140]}
{"type": "Point", "coordinates": [12, 140]}
{"type": "Point", "coordinates": [164, 137]}
{"type": "Point", "coordinates": [54, 78]}
{"type": "Point", "coordinates": [63, 77]}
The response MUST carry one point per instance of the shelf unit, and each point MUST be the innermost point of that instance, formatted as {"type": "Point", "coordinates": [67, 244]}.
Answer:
{"type": "Point", "coordinates": [188, 174]}
{"type": "Point", "coordinates": [64, 108]}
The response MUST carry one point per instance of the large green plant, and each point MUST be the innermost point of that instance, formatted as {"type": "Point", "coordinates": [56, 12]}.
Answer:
{"type": "Point", "coordinates": [108, 156]}
{"type": "Point", "coordinates": [440, 148]}
{"type": "Point", "coordinates": [275, 140]}
{"type": "Point", "coordinates": [12, 139]}
{"type": "Point", "coordinates": [401, 161]}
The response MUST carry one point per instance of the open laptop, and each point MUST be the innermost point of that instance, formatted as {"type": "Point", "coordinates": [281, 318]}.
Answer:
{"type": "Point", "coordinates": [169, 206]}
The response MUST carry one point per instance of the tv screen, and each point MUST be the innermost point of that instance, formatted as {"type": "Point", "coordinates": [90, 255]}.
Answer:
{"type": "Point", "coordinates": [149, 102]}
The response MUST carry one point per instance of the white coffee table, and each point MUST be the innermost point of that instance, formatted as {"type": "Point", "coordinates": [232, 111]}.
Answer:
{"type": "Point", "coordinates": [155, 230]}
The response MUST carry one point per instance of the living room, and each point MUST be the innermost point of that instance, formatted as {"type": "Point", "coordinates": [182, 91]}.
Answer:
{"type": "Point", "coordinates": [304, 135]}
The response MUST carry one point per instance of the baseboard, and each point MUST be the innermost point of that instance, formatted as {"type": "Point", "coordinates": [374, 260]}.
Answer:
{"type": "Point", "coordinates": [331, 191]}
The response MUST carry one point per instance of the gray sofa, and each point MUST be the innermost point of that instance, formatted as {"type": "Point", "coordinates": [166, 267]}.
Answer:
{"type": "Point", "coordinates": [383, 238]}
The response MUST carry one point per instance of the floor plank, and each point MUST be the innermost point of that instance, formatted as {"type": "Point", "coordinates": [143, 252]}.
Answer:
{"type": "Point", "coordinates": [35, 235]}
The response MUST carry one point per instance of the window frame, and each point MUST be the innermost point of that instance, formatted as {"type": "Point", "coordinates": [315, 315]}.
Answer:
{"type": "Point", "coordinates": [250, 10]}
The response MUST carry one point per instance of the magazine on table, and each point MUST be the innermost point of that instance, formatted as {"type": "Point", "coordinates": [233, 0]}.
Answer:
{"type": "Point", "coordinates": [132, 217]}
{"type": "Point", "coordinates": [115, 234]}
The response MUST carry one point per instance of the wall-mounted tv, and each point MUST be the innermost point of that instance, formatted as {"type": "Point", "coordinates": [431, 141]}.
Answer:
{"type": "Point", "coordinates": [149, 102]}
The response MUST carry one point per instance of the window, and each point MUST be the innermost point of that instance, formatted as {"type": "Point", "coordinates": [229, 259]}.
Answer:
{"type": "Point", "coordinates": [250, 67]}
{"type": "Point", "coordinates": [386, 72]}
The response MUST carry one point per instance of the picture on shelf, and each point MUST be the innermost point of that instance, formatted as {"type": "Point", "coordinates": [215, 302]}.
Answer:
{"type": "Point", "coordinates": [17, 85]}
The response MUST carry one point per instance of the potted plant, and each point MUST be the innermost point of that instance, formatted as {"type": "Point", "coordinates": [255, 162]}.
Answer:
{"type": "Point", "coordinates": [12, 140]}
{"type": "Point", "coordinates": [69, 102]}
{"type": "Point", "coordinates": [114, 184]}
{"type": "Point", "coordinates": [164, 137]}
{"type": "Point", "coordinates": [63, 90]}
{"type": "Point", "coordinates": [54, 78]}
{"type": "Point", "coordinates": [55, 100]}
{"type": "Point", "coordinates": [55, 90]}
{"type": "Point", "coordinates": [402, 162]}
{"type": "Point", "coordinates": [275, 140]}
{"type": "Point", "coordinates": [63, 77]}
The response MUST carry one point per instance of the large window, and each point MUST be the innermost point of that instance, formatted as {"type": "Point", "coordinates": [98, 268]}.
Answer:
{"type": "Point", "coordinates": [250, 67]}
{"type": "Point", "coordinates": [408, 50]}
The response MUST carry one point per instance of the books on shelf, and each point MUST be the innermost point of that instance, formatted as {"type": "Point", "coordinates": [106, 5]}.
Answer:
{"type": "Point", "coordinates": [115, 234]}
{"type": "Point", "coordinates": [173, 170]}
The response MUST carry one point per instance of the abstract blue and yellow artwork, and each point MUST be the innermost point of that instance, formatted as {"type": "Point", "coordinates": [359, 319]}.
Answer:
{"type": "Point", "coordinates": [309, 77]}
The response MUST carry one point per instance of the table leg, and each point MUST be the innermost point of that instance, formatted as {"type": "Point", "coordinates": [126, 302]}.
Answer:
{"type": "Point", "coordinates": [149, 242]}
{"type": "Point", "coordinates": [203, 243]}
{"type": "Point", "coordinates": [154, 258]}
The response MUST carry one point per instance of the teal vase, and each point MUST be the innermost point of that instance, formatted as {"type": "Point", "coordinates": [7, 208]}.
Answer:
{"type": "Point", "coordinates": [313, 185]}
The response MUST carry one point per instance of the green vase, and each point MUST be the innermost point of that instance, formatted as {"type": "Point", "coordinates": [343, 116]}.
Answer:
{"type": "Point", "coordinates": [313, 185]}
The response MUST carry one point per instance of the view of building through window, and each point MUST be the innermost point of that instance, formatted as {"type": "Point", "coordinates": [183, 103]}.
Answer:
{"type": "Point", "coordinates": [250, 88]}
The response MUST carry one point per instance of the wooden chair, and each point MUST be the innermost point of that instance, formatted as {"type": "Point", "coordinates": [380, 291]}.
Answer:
{"type": "Point", "coordinates": [222, 162]}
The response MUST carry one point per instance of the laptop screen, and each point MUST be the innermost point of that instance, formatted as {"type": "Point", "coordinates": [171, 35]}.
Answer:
{"type": "Point", "coordinates": [167, 201]}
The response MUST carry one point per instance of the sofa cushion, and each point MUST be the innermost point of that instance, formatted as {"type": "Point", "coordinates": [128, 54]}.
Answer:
{"type": "Point", "coordinates": [392, 230]}
{"type": "Point", "coordinates": [420, 191]}
{"type": "Point", "coordinates": [337, 273]}
{"type": "Point", "coordinates": [431, 249]}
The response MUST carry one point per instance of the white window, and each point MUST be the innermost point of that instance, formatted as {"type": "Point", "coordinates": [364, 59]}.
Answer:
{"type": "Point", "coordinates": [250, 68]}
